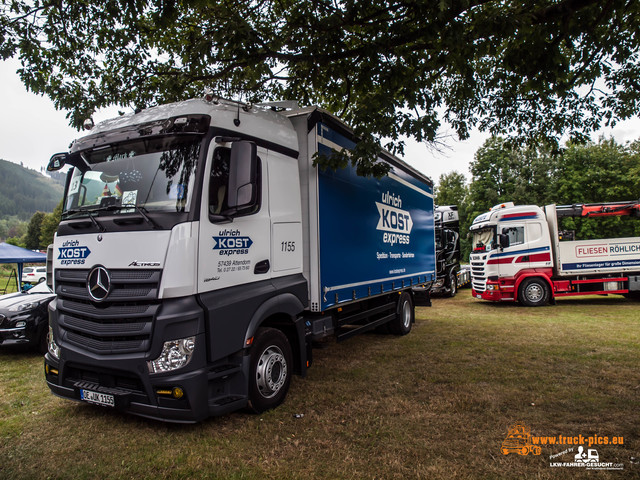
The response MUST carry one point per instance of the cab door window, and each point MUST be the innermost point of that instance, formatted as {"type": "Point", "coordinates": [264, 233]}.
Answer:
{"type": "Point", "coordinates": [219, 186]}
{"type": "Point", "coordinates": [515, 234]}
{"type": "Point", "coordinates": [219, 181]}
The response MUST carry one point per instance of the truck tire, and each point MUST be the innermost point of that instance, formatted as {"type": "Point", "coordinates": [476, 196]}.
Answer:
{"type": "Point", "coordinates": [271, 366]}
{"type": "Point", "coordinates": [41, 343]}
{"type": "Point", "coordinates": [405, 314]}
{"type": "Point", "coordinates": [534, 292]}
{"type": "Point", "coordinates": [633, 295]}
{"type": "Point", "coordinates": [453, 284]}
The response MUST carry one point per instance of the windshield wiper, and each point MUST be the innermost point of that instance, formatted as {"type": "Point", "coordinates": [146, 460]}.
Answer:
{"type": "Point", "coordinates": [142, 211]}
{"type": "Point", "coordinates": [89, 213]}
{"type": "Point", "coordinates": [110, 208]}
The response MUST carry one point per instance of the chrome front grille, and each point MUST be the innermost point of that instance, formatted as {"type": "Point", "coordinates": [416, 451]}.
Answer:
{"type": "Point", "coordinates": [478, 275]}
{"type": "Point", "coordinates": [121, 323]}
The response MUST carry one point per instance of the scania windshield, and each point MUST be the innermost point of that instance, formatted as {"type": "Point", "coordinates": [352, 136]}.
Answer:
{"type": "Point", "coordinates": [147, 174]}
{"type": "Point", "coordinates": [483, 239]}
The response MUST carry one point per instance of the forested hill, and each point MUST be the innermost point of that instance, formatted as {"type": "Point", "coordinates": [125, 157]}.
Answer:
{"type": "Point", "coordinates": [24, 192]}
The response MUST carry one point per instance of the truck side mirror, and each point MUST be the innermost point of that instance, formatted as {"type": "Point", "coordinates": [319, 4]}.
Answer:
{"type": "Point", "coordinates": [57, 161]}
{"type": "Point", "coordinates": [243, 184]}
{"type": "Point", "coordinates": [503, 240]}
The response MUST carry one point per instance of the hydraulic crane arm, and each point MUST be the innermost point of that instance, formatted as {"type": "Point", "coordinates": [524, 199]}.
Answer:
{"type": "Point", "coordinates": [599, 209]}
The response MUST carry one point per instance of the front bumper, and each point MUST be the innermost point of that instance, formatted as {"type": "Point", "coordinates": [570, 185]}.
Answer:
{"type": "Point", "coordinates": [99, 366]}
{"type": "Point", "coordinates": [14, 336]}
{"type": "Point", "coordinates": [24, 335]}
{"type": "Point", "coordinates": [496, 292]}
{"type": "Point", "coordinates": [136, 391]}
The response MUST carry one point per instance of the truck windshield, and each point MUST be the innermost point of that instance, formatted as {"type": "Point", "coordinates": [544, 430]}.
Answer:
{"type": "Point", "coordinates": [154, 174]}
{"type": "Point", "coordinates": [483, 239]}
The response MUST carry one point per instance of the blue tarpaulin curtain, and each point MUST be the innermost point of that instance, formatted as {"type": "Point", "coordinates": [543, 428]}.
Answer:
{"type": "Point", "coordinates": [12, 254]}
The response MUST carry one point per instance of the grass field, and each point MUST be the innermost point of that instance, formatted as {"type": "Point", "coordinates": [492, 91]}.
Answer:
{"type": "Point", "coordinates": [436, 403]}
{"type": "Point", "coordinates": [6, 280]}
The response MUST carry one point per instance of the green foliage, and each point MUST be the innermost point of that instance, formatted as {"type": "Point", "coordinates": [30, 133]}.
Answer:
{"type": "Point", "coordinates": [24, 192]}
{"type": "Point", "coordinates": [17, 241]}
{"type": "Point", "coordinates": [602, 172]}
{"type": "Point", "coordinates": [12, 226]}
{"type": "Point", "coordinates": [502, 173]}
{"type": "Point", "coordinates": [386, 67]}
{"type": "Point", "coordinates": [49, 226]}
{"type": "Point", "coordinates": [32, 237]}
{"type": "Point", "coordinates": [451, 189]}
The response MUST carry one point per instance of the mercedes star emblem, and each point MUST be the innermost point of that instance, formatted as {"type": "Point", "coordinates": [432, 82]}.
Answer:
{"type": "Point", "coordinates": [98, 283]}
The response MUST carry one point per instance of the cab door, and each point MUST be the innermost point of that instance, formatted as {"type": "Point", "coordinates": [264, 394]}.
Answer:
{"type": "Point", "coordinates": [515, 256]}
{"type": "Point", "coordinates": [234, 243]}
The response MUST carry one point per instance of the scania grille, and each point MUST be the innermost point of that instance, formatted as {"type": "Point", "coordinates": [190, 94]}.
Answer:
{"type": "Point", "coordinates": [478, 277]}
{"type": "Point", "coordinates": [121, 323]}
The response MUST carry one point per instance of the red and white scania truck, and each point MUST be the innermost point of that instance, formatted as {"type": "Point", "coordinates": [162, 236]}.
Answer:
{"type": "Point", "coordinates": [519, 254]}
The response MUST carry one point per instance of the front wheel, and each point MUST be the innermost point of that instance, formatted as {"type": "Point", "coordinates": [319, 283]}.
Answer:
{"type": "Point", "coordinates": [453, 284]}
{"type": "Point", "coordinates": [405, 314]}
{"type": "Point", "coordinates": [41, 339]}
{"type": "Point", "coordinates": [270, 369]}
{"type": "Point", "coordinates": [633, 295]}
{"type": "Point", "coordinates": [534, 292]}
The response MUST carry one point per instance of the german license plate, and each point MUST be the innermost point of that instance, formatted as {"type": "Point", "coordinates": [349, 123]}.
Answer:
{"type": "Point", "coordinates": [98, 398]}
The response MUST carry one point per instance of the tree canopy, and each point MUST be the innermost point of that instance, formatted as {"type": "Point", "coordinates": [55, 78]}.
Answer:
{"type": "Point", "coordinates": [392, 69]}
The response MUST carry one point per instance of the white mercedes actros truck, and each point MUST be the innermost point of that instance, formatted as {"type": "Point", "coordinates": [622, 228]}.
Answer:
{"type": "Point", "coordinates": [201, 252]}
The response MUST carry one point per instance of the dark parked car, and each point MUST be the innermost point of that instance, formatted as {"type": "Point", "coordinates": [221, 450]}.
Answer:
{"type": "Point", "coordinates": [24, 318]}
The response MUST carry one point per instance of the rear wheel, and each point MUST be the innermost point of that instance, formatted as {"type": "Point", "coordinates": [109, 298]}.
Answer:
{"type": "Point", "coordinates": [401, 324]}
{"type": "Point", "coordinates": [534, 292]}
{"type": "Point", "coordinates": [271, 368]}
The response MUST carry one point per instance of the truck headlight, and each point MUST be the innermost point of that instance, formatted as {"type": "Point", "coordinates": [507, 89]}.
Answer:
{"type": "Point", "coordinates": [175, 354]}
{"type": "Point", "coordinates": [52, 346]}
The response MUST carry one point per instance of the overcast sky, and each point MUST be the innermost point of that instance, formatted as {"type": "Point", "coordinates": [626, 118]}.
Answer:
{"type": "Point", "coordinates": [31, 130]}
